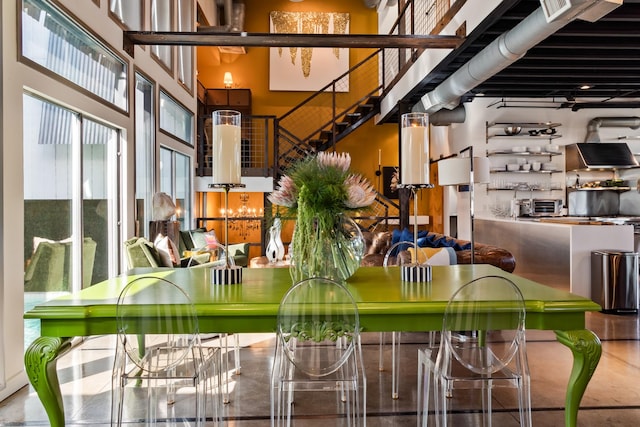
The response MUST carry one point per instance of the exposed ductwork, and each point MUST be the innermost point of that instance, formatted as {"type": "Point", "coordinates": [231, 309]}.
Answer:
{"type": "Point", "coordinates": [443, 117]}
{"type": "Point", "coordinates": [610, 122]}
{"type": "Point", "coordinates": [502, 52]}
{"type": "Point", "coordinates": [227, 15]}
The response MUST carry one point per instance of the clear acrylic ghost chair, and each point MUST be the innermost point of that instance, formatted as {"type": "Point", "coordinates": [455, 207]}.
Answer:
{"type": "Point", "coordinates": [397, 255]}
{"type": "Point", "coordinates": [482, 346]}
{"type": "Point", "coordinates": [220, 252]}
{"type": "Point", "coordinates": [318, 350]}
{"type": "Point", "coordinates": [159, 357]}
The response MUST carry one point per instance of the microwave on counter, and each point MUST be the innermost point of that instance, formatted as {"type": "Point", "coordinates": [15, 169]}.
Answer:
{"type": "Point", "coordinates": [536, 207]}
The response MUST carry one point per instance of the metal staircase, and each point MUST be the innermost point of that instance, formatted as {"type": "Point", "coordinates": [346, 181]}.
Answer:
{"type": "Point", "coordinates": [331, 114]}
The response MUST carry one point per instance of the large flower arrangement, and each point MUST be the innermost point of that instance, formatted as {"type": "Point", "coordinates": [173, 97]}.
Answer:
{"type": "Point", "coordinates": [318, 190]}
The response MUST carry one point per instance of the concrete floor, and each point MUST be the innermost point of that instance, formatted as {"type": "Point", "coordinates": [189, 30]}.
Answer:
{"type": "Point", "coordinates": [612, 398]}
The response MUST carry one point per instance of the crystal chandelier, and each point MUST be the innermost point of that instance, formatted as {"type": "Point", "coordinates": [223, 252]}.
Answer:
{"type": "Point", "coordinates": [245, 220]}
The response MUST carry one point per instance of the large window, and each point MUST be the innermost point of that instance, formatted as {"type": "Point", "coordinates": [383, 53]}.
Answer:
{"type": "Point", "coordinates": [145, 153]}
{"type": "Point", "coordinates": [161, 15]}
{"type": "Point", "coordinates": [175, 180]}
{"type": "Point", "coordinates": [175, 119]}
{"type": "Point", "coordinates": [71, 202]}
{"type": "Point", "coordinates": [55, 42]}
{"type": "Point", "coordinates": [128, 12]}
{"type": "Point", "coordinates": [185, 53]}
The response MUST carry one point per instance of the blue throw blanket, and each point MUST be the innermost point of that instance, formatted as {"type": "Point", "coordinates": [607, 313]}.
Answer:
{"type": "Point", "coordinates": [425, 240]}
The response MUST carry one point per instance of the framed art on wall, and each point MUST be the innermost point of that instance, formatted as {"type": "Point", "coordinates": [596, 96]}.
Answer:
{"type": "Point", "coordinates": [308, 69]}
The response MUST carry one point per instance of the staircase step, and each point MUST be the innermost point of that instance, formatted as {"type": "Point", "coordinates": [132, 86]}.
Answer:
{"type": "Point", "coordinates": [374, 99]}
{"type": "Point", "coordinates": [341, 126]}
{"type": "Point", "coordinates": [352, 117]}
{"type": "Point", "coordinates": [326, 135]}
{"type": "Point", "coordinates": [315, 143]}
{"type": "Point", "coordinates": [364, 108]}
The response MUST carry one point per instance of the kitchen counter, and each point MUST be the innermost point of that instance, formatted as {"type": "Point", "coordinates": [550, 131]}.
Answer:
{"type": "Point", "coordinates": [555, 251]}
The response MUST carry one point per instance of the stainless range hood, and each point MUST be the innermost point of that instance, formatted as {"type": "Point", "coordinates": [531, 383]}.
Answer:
{"type": "Point", "coordinates": [599, 156]}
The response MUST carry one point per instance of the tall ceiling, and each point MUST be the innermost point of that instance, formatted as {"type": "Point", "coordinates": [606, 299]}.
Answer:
{"type": "Point", "coordinates": [604, 55]}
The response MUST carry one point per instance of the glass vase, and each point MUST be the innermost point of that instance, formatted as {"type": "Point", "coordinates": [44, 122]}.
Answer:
{"type": "Point", "coordinates": [329, 252]}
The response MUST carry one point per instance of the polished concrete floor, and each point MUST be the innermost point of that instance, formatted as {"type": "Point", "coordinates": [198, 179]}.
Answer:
{"type": "Point", "coordinates": [612, 398]}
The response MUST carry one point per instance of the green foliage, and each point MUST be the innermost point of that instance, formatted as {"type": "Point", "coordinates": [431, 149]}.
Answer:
{"type": "Point", "coordinates": [318, 331]}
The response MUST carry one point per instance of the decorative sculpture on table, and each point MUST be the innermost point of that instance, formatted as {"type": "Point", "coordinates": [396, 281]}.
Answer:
{"type": "Point", "coordinates": [163, 209]}
{"type": "Point", "coordinates": [275, 247]}
{"type": "Point", "coordinates": [226, 132]}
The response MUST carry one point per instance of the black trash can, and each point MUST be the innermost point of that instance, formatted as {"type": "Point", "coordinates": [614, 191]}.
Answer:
{"type": "Point", "coordinates": [614, 281]}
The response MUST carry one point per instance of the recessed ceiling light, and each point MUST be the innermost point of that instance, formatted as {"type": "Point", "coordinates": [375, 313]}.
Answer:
{"type": "Point", "coordinates": [585, 87]}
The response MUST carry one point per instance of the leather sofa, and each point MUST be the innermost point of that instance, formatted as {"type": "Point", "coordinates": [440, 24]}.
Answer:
{"type": "Point", "coordinates": [378, 243]}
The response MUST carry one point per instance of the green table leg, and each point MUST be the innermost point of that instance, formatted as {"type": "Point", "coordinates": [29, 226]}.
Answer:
{"type": "Point", "coordinates": [40, 361]}
{"type": "Point", "coordinates": [586, 349]}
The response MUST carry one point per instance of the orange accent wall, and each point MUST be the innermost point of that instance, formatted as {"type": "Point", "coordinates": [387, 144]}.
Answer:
{"type": "Point", "coordinates": [251, 70]}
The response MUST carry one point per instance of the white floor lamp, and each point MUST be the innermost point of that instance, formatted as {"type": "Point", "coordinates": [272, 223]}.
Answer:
{"type": "Point", "coordinates": [462, 171]}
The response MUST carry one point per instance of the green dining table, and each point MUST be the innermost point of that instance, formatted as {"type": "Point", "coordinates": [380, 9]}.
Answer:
{"type": "Point", "coordinates": [385, 303]}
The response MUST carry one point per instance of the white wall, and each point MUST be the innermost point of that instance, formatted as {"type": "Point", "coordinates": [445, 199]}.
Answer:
{"type": "Point", "coordinates": [16, 78]}
{"type": "Point", "coordinates": [573, 129]}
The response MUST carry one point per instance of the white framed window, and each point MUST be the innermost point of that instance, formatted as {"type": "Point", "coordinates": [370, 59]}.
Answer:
{"type": "Point", "coordinates": [161, 17]}
{"type": "Point", "coordinates": [128, 13]}
{"type": "Point", "coordinates": [185, 53]}
{"type": "Point", "coordinates": [175, 119]}
{"type": "Point", "coordinates": [175, 180]}
{"type": "Point", "coordinates": [57, 43]}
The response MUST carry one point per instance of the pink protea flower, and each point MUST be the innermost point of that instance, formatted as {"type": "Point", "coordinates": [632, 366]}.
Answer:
{"type": "Point", "coordinates": [340, 161]}
{"type": "Point", "coordinates": [286, 194]}
{"type": "Point", "coordinates": [360, 192]}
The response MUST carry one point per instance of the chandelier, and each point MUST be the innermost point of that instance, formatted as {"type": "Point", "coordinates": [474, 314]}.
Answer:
{"type": "Point", "coordinates": [245, 220]}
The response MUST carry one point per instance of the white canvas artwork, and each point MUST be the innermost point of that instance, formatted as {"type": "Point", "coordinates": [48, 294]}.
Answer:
{"type": "Point", "coordinates": [308, 69]}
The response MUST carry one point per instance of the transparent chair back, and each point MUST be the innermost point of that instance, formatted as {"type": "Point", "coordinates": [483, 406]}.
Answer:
{"type": "Point", "coordinates": [398, 255]}
{"type": "Point", "coordinates": [318, 348]}
{"type": "Point", "coordinates": [158, 344]}
{"type": "Point", "coordinates": [220, 251]}
{"type": "Point", "coordinates": [482, 347]}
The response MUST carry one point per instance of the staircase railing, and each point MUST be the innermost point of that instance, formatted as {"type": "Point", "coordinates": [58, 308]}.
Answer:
{"type": "Point", "coordinates": [325, 117]}
{"type": "Point", "coordinates": [319, 112]}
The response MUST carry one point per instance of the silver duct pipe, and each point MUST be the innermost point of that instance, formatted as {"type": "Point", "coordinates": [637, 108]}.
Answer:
{"type": "Point", "coordinates": [502, 52]}
{"type": "Point", "coordinates": [610, 122]}
{"type": "Point", "coordinates": [443, 117]}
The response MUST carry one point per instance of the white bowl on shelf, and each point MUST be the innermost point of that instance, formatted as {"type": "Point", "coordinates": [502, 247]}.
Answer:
{"type": "Point", "coordinates": [534, 149]}
{"type": "Point", "coordinates": [526, 166]}
{"type": "Point", "coordinates": [512, 167]}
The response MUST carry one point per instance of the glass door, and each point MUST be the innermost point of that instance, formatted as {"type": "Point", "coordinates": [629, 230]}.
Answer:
{"type": "Point", "coordinates": [71, 202]}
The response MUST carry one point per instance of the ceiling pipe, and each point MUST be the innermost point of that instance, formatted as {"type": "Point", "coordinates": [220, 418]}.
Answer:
{"type": "Point", "coordinates": [610, 122]}
{"type": "Point", "coordinates": [502, 52]}
{"type": "Point", "coordinates": [443, 117]}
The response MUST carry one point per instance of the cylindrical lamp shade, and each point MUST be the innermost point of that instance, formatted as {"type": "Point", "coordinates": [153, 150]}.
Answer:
{"type": "Point", "coordinates": [414, 149]}
{"type": "Point", "coordinates": [226, 147]}
{"type": "Point", "coordinates": [457, 171]}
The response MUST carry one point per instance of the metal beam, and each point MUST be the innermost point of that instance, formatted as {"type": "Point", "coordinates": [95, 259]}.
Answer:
{"type": "Point", "coordinates": [210, 38]}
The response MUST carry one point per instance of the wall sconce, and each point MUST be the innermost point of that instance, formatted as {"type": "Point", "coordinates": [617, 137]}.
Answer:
{"type": "Point", "coordinates": [228, 80]}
